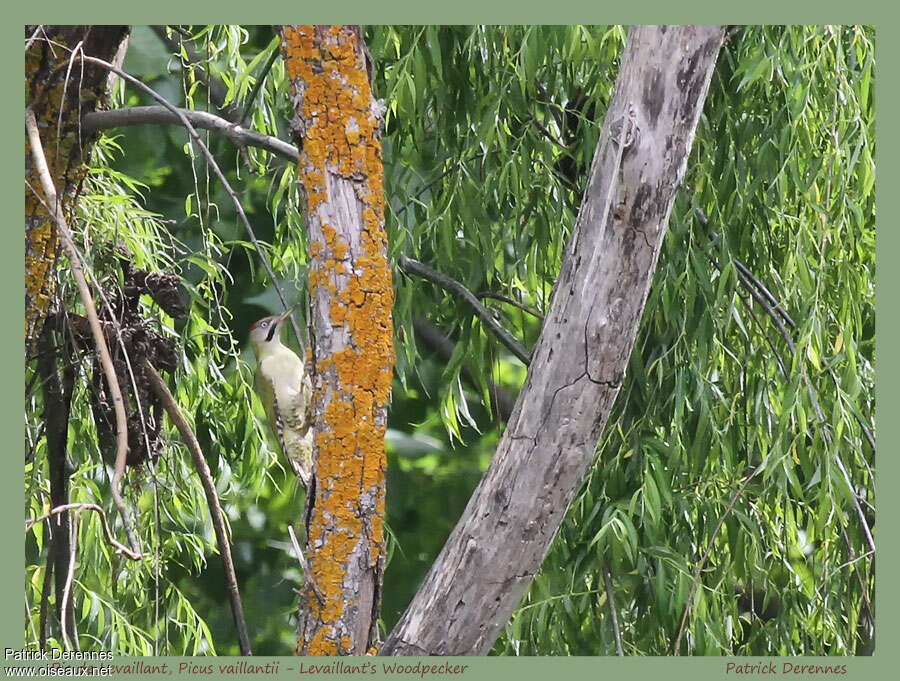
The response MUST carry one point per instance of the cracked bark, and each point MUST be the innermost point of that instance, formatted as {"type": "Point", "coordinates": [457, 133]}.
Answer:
{"type": "Point", "coordinates": [581, 356]}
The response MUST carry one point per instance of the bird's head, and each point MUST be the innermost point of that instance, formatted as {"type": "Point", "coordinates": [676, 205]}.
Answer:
{"type": "Point", "coordinates": [267, 331]}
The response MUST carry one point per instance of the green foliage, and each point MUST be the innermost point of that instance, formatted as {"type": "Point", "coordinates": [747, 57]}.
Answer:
{"type": "Point", "coordinates": [783, 165]}
{"type": "Point", "coordinates": [489, 136]}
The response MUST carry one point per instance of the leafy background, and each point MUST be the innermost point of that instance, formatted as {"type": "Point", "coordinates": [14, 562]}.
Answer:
{"type": "Point", "coordinates": [489, 136]}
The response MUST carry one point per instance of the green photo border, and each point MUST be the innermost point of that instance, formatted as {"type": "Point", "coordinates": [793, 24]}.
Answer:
{"type": "Point", "coordinates": [881, 665]}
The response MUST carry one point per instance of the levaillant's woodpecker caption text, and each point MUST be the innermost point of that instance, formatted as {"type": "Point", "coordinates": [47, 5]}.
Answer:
{"type": "Point", "coordinates": [66, 663]}
{"type": "Point", "coordinates": [75, 663]}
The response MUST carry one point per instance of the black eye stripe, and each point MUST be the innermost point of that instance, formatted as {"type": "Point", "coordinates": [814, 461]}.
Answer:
{"type": "Point", "coordinates": [271, 333]}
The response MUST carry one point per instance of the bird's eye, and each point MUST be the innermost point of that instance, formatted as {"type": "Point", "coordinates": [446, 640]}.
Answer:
{"type": "Point", "coordinates": [264, 324]}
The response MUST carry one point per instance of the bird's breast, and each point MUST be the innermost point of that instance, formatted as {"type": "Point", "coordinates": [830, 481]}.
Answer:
{"type": "Point", "coordinates": [284, 373]}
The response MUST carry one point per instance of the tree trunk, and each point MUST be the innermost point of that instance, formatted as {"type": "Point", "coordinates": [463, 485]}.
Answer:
{"type": "Point", "coordinates": [580, 359]}
{"type": "Point", "coordinates": [58, 90]}
{"type": "Point", "coordinates": [337, 125]}
{"type": "Point", "coordinates": [57, 393]}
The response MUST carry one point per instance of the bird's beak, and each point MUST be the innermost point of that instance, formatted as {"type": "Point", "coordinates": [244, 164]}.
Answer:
{"type": "Point", "coordinates": [286, 313]}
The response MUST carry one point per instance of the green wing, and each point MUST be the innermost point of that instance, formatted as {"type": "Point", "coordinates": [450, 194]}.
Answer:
{"type": "Point", "coordinates": [266, 392]}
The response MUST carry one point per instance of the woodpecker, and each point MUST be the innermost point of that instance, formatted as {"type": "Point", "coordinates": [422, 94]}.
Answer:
{"type": "Point", "coordinates": [286, 392]}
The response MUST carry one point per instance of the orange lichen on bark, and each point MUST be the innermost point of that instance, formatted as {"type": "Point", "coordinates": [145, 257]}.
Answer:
{"type": "Point", "coordinates": [351, 279]}
{"type": "Point", "coordinates": [41, 238]}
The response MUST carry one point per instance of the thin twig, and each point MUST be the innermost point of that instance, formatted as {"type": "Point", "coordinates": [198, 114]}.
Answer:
{"type": "Point", "coordinates": [30, 617]}
{"type": "Point", "coordinates": [549, 135]}
{"type": "Point", "coordinates": [45, 593]}
{"type": "Point", "coordinates": [78, 508]}
{"type": "Point", "coordinates": [39, 29]}
{"type": "Point", "coordinates": [611, 601]}
{"type": "Point", "coordinates": [141, 115]}
{"type": "Point", "coordinates": [870, 438]}
{"type": "Point", "coordinates": [450, 285]}
{"type": "Point", "coordinates": [515, 303]}
{"type": "Point", "coordinates": [40, 163]}
{"type": "Point", "coordinates": [854, 560]}
{"type": "Point", "coordinates": [853, 495]}
{"type": "Point", "coordinates": [70, 578]}
{"type": "Point", "coordinates": [216, 169]}
{"type": "Point", "coordinates": [218, 91]}
{"type": "Point", "coordinates": [755, 318]}
{"type": "Point", "coordinates": [304, 566]}
{"type": "Point", "coordinates": [687, 606]}
{"type": "Point", "coordinates": [212, 499]}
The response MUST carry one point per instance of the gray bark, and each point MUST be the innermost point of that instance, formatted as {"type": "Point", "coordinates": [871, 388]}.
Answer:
{"type": "Point", "coordinates": [141, 115]}
{"type": "Point", "coordinates": [580, 359]}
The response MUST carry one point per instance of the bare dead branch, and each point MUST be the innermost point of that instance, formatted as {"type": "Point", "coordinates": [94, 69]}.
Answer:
{"type": "Point", "coordinates": [78, 508]}
{"type": "Point", "coordinates": [142, 115]}
{"type": "Point", "coordinates": [579, 361]}
{"type": "Point", "coordinates": [40, 162]}
{"type": "Point", "coordinates": [212, 499]}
